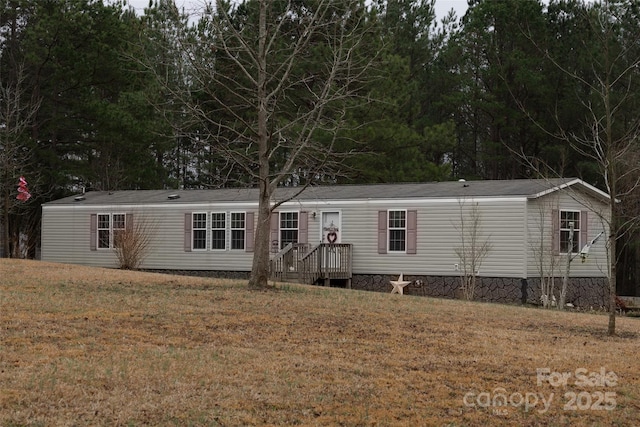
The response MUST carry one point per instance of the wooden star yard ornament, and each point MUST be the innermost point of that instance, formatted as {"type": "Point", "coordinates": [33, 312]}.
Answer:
{"type": "Point", "coordinates": [398, 285]}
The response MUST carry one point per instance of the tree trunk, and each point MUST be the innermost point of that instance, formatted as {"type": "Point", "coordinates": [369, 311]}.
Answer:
{"type": "Point", "coordinates": [5, 224]}
{"type": "Point", "coordinates": [260, 267]}
{"type": "Point", "coordinates": [611, 328]}
{"type": "Point", "coordinates": [612, 176]}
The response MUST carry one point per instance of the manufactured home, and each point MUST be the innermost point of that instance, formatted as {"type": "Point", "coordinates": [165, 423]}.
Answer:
{"type": "Point", "coordinates": [359, 236]}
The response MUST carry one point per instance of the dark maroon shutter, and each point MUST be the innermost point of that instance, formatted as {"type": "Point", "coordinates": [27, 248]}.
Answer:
{"type": "Point", "coordinates": [128, 222]}
{"type": "Point", "coordinates": [248, 232]}
{"type": "Point", "coordinates": [93, 229]}
{"type": "Point", "coordinates": [274, 229]}
{"type": "Point", "coordinates": [412, 232]}
{"type": "Point", "coordinates": [187, 231]}
{"type": "Point", "coordinates": [555, 231]}
{"type": "Point", "coordinates": [303, 228]}
{"type": "Point", "coordinates": [382, 232]}
{"type": "Point", "coordinates": [584, 228]}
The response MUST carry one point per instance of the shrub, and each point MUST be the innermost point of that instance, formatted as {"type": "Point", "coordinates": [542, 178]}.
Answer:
{"type": "Point", "coordinates": [131, 244]}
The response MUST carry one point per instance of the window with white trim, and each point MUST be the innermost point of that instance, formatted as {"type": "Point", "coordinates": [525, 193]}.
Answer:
{"type": "Point", "coordinates": [108, 228]}
{"type": "Point", "coordinates": [119, 224]}
{"type": "Point", "coordinates": [218, 230]}
{"type": "Point", "coordinates": [215, 231]}
{"type": "Point", "coordinates": [238, 221]}
{"type": "Point", "coordinates": [104, 231]}
{"type": "Point", "coordinates": [567, 220]}
{"type": "Point", "coordinates": [199, 231]}
{"type": "Point", "coordinates": [397, 230]}
{"type": "Point", "coordinates": [288, 228]}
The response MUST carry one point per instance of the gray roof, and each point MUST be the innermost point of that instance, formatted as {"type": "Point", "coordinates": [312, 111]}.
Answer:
{"type": "Point", "coordinates": [530, 188]}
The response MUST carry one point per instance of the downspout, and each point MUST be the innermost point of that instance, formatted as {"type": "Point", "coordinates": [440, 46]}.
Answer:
{"type": "Point", "coordinates": [525, 245]}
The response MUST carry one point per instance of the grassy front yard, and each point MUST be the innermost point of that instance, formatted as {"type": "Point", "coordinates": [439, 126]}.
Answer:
{"type": "Point", "coordinates": [87, 346]}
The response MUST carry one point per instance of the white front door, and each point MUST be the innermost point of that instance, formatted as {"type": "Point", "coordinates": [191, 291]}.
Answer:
{"type": "Point", "coordinates": [331, 233]}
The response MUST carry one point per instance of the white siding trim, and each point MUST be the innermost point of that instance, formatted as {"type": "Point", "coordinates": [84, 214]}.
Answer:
{"type": "Point", "coordinates": [230, 230]}
{"type": "Point", "coordinates": [290, 205]}
{"type": "Point", "coordinates": [525, 245]}
{"type": "Point", "coordinates": [286, 211]}
{"type": "Point", "coordinates": [210, 230]}
{"type": "Point", "coordinates": [389, 229]}
{"type": "Point", "coordinates": [568, 184]}
{"type": "Point", "coordinates": [560, 229]}
{"type": "Point", "coordinates": [206, 231]}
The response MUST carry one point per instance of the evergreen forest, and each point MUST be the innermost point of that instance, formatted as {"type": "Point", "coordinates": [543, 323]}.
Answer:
{"type": "Point", "coordinates": [96, 96]}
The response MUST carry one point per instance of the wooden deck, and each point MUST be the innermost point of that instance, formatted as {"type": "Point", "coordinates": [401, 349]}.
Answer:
{"type": "Point", "coordinates": [313, 264]}
{"type": "Point", "coordinates": [628, 304]}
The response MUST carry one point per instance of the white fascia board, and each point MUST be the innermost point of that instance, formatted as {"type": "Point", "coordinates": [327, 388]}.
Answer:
{"type": "Point", "coordinates": [588, 187]}
{"type": "Point", "coordinates": [421, 201]}
{"type": "Point", "coordinates": [294, 203]}
{"type": "Point", "coordinates": [192, 206]}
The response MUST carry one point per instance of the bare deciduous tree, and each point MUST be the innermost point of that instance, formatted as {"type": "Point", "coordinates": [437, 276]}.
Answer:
{"type": "Point", "coordinates": [473, 248]}
{"type": "Point", "coordinates": [267, 86]}
{"type": "Point", "coordinates": [541, 248]}
{"type": "Point", "coordinates": [16, 113]}
{"type": "Point", "coordinates": [610, 146]}
{"type": "Point", "coordinates": [609, 136]}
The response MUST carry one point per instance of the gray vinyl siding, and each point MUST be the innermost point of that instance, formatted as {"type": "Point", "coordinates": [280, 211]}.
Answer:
{"type": "Point", "coordinates": [66, 238]}
{"type": "Point", "coordinates": [540, 217]}
{"type": "Point", "coordinates": [509, 223]}
{"type": "Point", "coordinates": [502, 224]}
{"type": "Point", "coordinates": [169, 241]}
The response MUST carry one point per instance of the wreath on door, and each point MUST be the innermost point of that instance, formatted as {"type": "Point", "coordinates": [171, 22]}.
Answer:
{"type": "Point", "coordinates": [332, 236]}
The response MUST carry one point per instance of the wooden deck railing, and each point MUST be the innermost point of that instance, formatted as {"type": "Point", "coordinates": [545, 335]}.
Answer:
{"type": "Point", "coordinates": [284, 264]}
{"type": "Point", "coordinates": [310, 264]}
{"type": "Point", "coordinates": [277, 263]}
{"type": "Point", "coordinates": [326, 261]}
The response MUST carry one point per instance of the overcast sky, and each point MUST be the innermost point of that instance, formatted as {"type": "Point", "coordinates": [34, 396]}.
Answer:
{"type": "Point", "coordinates": [442, 6]}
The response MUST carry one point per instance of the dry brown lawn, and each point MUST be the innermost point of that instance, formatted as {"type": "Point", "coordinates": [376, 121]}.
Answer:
{"type": "Point", "coordinates": [86, 346]}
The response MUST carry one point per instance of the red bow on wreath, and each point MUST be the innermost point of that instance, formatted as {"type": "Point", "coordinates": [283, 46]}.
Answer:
{"type": "Point", "coordinates": [23, 191]}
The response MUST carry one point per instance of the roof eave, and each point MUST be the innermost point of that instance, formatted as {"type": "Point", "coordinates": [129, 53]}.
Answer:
{"type": "Point", "coordinates": [604, 197]}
